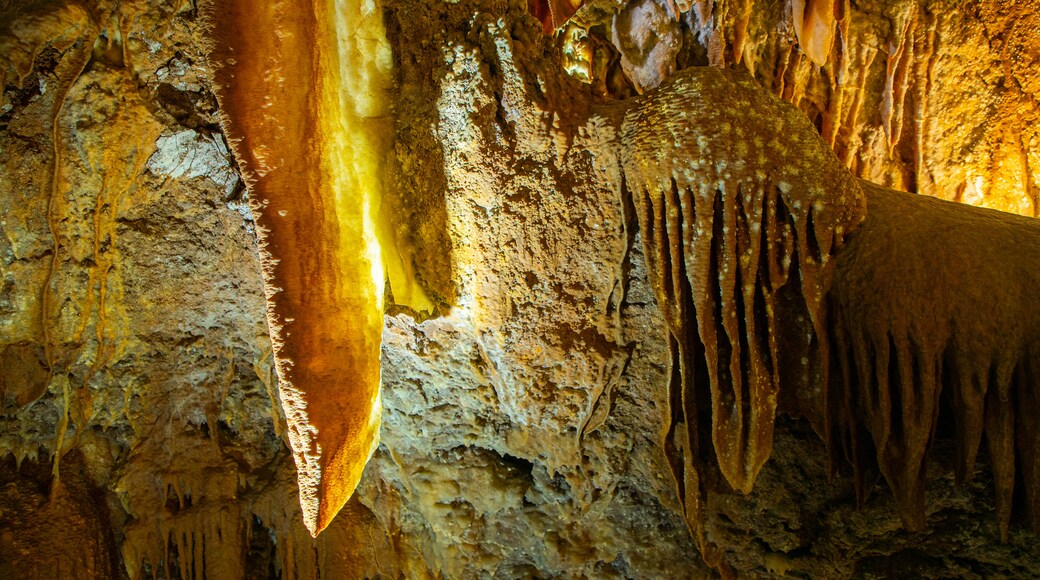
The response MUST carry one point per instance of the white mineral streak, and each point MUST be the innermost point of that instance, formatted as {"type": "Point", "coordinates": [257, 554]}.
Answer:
{"type": "Point", "coordinates": [189, 154]}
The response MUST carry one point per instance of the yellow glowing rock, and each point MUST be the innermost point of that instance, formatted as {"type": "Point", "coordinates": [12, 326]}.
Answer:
{"type": "Point", "coordinates": [814, 22]}
{"type": "Point", "coordinates": [301, 87]}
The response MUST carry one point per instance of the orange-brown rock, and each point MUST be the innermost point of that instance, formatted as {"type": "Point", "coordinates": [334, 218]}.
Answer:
{"type": "Point", "coordinates": [933, 304]}
{"type": "Point", "coordinates": [277, 77]}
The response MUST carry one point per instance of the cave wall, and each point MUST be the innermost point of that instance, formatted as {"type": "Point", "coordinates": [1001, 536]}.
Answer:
{"type": "Point", "coordinates": [522, 427]}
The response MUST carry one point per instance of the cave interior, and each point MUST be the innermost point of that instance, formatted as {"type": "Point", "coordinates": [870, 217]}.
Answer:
{"type": "Point", "coordinates": [519, 288]}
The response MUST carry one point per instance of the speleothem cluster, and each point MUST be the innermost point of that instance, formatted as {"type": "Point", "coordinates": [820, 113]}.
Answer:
{"type": "Point", "coordinates": [789, 286]}
{"type": "Point", "coordinates": [784, 286]}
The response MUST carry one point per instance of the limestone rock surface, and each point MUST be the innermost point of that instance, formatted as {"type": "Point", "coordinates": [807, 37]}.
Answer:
{"type": "Point", "coordinates": [522, 431]}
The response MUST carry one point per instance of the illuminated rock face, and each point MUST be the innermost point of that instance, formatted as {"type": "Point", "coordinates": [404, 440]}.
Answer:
{"type": "Point", "coordinates": [895, 87]}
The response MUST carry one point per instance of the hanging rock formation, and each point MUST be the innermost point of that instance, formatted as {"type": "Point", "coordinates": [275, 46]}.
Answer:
{"type": "Point", "coordinates": [735, 203]}
{"type": "Point", "coordinates": [936, 301]}
{"type": "Point", "coordinates": [522, 430]}
{"type": "Point", "coordinates": [768, 262]}
{"type": "Point", "coordinates": [298, 129]}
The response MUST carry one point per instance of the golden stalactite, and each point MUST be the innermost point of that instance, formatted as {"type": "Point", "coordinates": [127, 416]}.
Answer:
{"type": "Point", "coordinates": [814, 23]}
{"type": "Point", "coordinates": [301, 87]}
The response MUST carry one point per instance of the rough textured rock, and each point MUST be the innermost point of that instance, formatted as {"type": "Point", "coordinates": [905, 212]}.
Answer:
{"type": "Point", "coordinates": [522, 429]}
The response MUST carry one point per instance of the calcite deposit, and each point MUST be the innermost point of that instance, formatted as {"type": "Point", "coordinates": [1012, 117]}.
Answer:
{"type": "Point", "coordinates": [744, 240]}
{"type": "Point", "coordinates": [526, 422]}
{"type": "Point", "coordinates": [741, 209]}
{"type": "Point", "coordinates": [309, 141]}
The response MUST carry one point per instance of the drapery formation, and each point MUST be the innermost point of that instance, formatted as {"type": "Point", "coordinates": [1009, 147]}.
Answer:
{"type": "Point", "coordinates": [789, 286]}
{"type": "Point", "coordinates": [935, 300]}
{"type": "Point", "coordinates": [739, 202]}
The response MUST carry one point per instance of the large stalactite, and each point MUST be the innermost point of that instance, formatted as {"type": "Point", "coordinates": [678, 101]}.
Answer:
{"type": "Point", "coordinates": [301, 86]}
